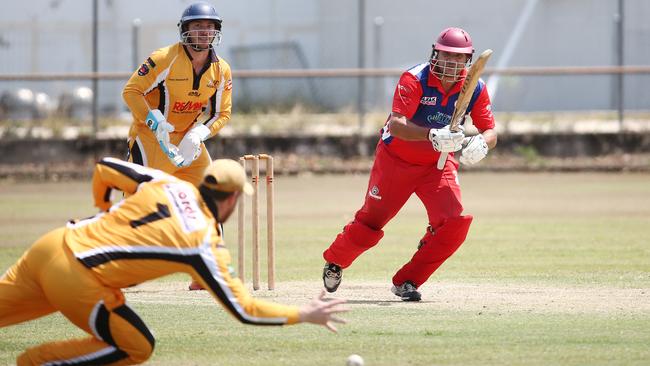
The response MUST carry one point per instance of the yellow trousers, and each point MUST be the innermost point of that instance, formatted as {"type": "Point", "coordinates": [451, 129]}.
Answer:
{"type": "Point", "coordinates": [48, 278]}
{"type": "Point", "coordinates": [145, 150]}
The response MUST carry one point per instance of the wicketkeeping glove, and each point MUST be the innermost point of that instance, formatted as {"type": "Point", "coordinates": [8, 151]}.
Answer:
{"type": "Point", "coordinates": [161, 128]}
{"type": "Point", "coordinates": [475, 150]}
{"type": "Point", "coordinates": [190, 146]}
{"type": "Point", "coordinates": [444, 140]}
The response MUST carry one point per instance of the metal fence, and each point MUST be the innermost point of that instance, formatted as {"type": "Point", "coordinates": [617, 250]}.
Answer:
{"type": "Point", "coordinates": [301, 87]}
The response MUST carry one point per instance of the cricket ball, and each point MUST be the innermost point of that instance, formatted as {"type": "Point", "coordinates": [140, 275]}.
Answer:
{"type": "Point", "coordinates": [354, 360]}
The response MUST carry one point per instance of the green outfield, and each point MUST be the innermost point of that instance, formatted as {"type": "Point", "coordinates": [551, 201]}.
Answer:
{"type": "Point", "coordinates": [555, 271]}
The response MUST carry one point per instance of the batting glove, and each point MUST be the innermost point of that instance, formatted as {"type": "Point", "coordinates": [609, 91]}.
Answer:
{"type": "Point", "coordinates": [443, 140]}
{"type": "Point", "coordinates": [161, 128]}
{"type": "Point", "coordinates": [190, 146]}
{"type": "Point", "coordinates": [475, 150]}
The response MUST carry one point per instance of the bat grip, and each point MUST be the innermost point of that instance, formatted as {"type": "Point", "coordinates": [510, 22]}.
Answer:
{"type": "Point", "coordinates": [442, 160]}
{"type": "Point", "coordinates": [453, 127]}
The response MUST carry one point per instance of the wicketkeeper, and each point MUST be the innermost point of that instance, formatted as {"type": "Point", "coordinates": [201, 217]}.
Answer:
{"type": "Point", "coordinates": [165, 226]}
{"type": "Point", "coordinates": [180, 97]}
{"type": "Point", "coordinates": [416, 133]}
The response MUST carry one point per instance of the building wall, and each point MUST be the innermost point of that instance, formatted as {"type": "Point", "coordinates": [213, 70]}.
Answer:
{"type": "Point", "coordinates": [55, 36]}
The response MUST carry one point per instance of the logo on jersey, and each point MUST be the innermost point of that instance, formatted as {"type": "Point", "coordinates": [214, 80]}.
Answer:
{"type": "Point", "coordinates": [186, 207]}
{"type": "Point", "coordinates": [228, 84]}
{"type": "Point", "coordinates": [403, 93]}
{"type": "Point", "coordinates": [428, 100]}
{"type": "Point", "coordinates": [439, 118]}
{"type": "Point", "coordinates": [213, 84]}
{"type": "Point", "coordinates": [150, 62]}
{"type": "Point", "coordinates": [194, 93]}
{"type": "Point", "coordinates": [143, 70]}
{"type": "Point", "coordinates": [374, 193]}
{"type": "Point", "coordinates": [187, 107]}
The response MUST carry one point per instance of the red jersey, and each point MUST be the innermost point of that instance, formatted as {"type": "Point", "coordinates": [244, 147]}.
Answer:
{"type": "Point", "coordinates": [420, 97]}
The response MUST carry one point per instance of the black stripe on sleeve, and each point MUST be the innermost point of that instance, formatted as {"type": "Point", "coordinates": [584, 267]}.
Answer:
{"type": "Point", "coordinates": [161, 99]}
{"type": "Point", "coordinates": [101, 258]}
{"type": "Point", "coordinates": [201, 268]}
{"type": "Point", "coordinates": [127, 171]}
{"type": "Point", "coordinates": [213, 108]}
{"type": "Point", "coordinates": [107, 194]}
{"type": "Point", "coordinates": [193, 260]}
{"type": "Point", "coordinates": [136, 154]}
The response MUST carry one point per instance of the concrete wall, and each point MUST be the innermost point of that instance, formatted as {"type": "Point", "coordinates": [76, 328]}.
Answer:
{"type": "Point", "coordinates": [54, 159]}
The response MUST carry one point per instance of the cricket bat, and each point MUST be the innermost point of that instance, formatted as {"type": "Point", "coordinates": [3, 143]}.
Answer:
{"type": "Point", "coordinates": [464, 97]}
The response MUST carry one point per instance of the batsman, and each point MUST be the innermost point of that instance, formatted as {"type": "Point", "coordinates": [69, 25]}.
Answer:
{"type": "Point", "coordinates": [416, 134]}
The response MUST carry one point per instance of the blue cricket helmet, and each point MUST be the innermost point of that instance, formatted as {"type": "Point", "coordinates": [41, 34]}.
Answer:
{"type": "Point", "coordinates": [199, 11]}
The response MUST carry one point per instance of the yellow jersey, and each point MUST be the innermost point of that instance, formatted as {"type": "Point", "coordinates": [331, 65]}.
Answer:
{"type": "Point", "coordinates": [163, 227]}
{"type": "Point", "coordinates": [166, 81]}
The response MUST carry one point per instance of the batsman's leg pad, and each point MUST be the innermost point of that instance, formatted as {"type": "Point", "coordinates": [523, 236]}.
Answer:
{"type": "Point", "coordinates": [435, 247]}
{"type": "Point", "coordinates": [355, 239]}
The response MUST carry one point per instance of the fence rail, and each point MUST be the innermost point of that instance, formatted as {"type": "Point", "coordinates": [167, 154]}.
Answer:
{"type": "Point", "coordinates": [345, 73]}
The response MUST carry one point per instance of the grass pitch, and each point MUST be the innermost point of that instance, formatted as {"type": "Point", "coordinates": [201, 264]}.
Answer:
{"type": "Point", "coordinates": [555, 270]}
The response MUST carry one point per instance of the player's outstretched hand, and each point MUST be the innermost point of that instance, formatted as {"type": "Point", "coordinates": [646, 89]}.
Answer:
{"type": "Point", "coordinates": [320, 311]}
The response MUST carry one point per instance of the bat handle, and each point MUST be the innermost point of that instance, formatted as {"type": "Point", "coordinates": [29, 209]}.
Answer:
{"type": "Point", "coordinates": [442, 160]}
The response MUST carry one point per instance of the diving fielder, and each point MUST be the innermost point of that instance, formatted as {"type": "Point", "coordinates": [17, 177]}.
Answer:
{"type": "Point", "coordinates": [165, 226]}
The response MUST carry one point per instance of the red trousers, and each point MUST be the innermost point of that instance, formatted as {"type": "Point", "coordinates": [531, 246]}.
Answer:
{"type": "Point", "coordinates": [392, 182]}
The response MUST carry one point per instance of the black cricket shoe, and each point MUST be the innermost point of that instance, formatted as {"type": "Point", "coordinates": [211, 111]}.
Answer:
{"type": "Point", "coordinates": [407, 291]}
{"type": "Point", "coordinates": [332, 275]}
